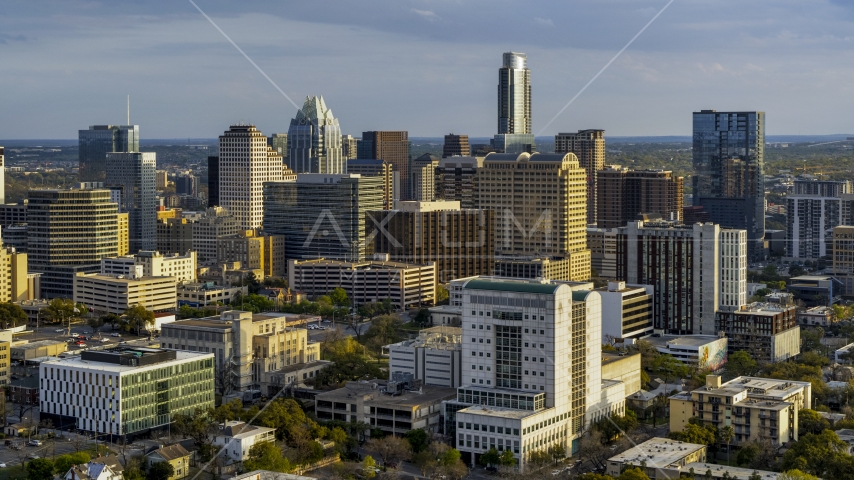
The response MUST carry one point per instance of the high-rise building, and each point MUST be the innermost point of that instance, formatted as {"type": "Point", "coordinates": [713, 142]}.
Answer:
{"type": "Point", "coordinates": [161, 179]}
{"type": "Point", "coordinates": [187, 184]}
{"type": "Point", "coordinates": [812, 211]}
{"type": "Point", "coordinates": [314, 139]}
{"type": "Point", "coordinates": [216, 223]}
{"type": "Point", "coordinates": [843, 257]}
{"type": "Point", "coordinates": [540, 206]}
{"type": "Point", "coordinates": [349, 147]}
{"type": "Point", "coordinates": [323, 215]}
{"type": "Point", "coordinates": [279, 142]}
{"type": "Point", "coordinates": [213, 181]}
{"type": "Point", "coordinates": [245, 163]}
{"type": "Point", "coordinates": [455, 180]}
{"type": "Point", "coordinates": [622, 194]}
{"type": "Point", "coordinates": [94, 145]}
{"type": "Point", "coordinates": [456, 146]}
{"type": "Point", "coordinates": [70, 232]}
{"type": "Point", "coordinates": [2, 176]}
{"type": "Point", "coordinates": [514, 94]}
{"type": "Point", "coordinates": [683, 264]}
{"type": "Point", "coordinates": [254, 251]}
{"type": "Point", "coordinates": [14, 283]}
{"type": "Point", "coordinates": [422, 178]}
{"type": "Point", "coordinates": [134, 173]}
{"type": "Point", "coordinates": [174, 235]}
{"type": "Point", "coordinates": [460, 242]}
{"type": "Point", "coordinates": [767, 331]}
{"type": "Point", "coordinates": [379, 168]}
{"type": "Point", "coordinates": [393, 147]}
{"type": "Point", "coordinates": [589, 147]}
{"type": "Point", "coordinates": [123, 232]}
{"type": "Point", "coordinates": [729, 175]}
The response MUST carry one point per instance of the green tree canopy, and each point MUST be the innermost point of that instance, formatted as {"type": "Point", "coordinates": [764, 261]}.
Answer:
{"type": "Point", "coordinates": [633, 473]}
{"type": "Point", "coordinates": [266, 456]}
{"type": "Point", "coordinates": [12, 315]}
{"type": "Point", "coordinates": [809, 421]}
{"type": "Point", "coordinates": [694, 432]}
{"type": "Point", "coordinates": [339, 297]}
{"type": "Point", "coordinates": [823, 455]}
{"type": "Point", "coordinates": [740, 363]}
{"type": "Point", "coordinates": [417, 439]}
{"type": "Point", "coordinates": [40, 469]}
{"type": "Point", "coordinates": [138, 318]}
{"type": "Point", "coordinates": [63, 463]}
{"type": "Point", "coordinates": [160, 471]}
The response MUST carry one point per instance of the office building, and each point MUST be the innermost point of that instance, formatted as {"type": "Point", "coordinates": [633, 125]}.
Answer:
{"type": "Point", "coordinates": [422, 178]}
{"type": "Point", "coordinates": [203, 294]}
{"type": "Point", "coordinates": [406, 285]}
{"type": "Point", "coordinates": [540, 206]}
{"type": "Point", "coordinates": [245, 163]}
{"type": "Point", "coordinates": [589, 147]}
{"type": "Point", "coordinates": [123, 233]}
{"type": "Point", "coordinates": [379, 168]}
{"type": "Point", "coordinates": [161, 179]}
{"type": "Point", "coordinates": [813, 210]}
{"type": "Point", "coordinates": [656, 457]}
{"type": "Point", "coordinates": [323, 215]}
{"type": "Point", "coordinates": [213, 181]}
{"type": "Point", "coordinates": [456, 146]}
{"type": "Point", "coordinates": [26, 350]}
{"type": "Point", "coordinates": [15, 236]}
{"type": "Point", "coordinates": [70, 231]}
{"type": "Point", "coordinates": [216, 223]}
{"type": "Point", "coordinates": [393, 147]}
{"type": "Point", "coordinates": [187, 184]}
{"type": "Point", "coordinates": [602, 243]}
{"type": "Point", "coordinates": [455, 180]}
{"type": "Point", "coordinates": [767, 331]}
{"type": "Point", "coordinates": [279, 144]}
{"type": "Point", "coordinates": [13, 213]}
{"type": "Point", "coordinates": [733, 273]}
{"type": "Point", "coordinates": [729, 172]}
{"type": "Point", "coordinates": [125, 392]}
{"type": "Point", "coordinates": [626, 311]}
{"type": "Point", "coordinates": [94, 145]}
{"type": "Point", "coordinates": [623, 194]}
{"type": "Point", "coordinates": [314, 139]}
{"type": "Point", "coordinates": [550, 268]}
{"type": "Point", "coordinates": [531, 369]}
{"type": "Point", "coordinates": [816, 290]}
{"type": "Point", "coordinates": [460, 242]}
{"type": "Point", "coordinates": [14, 278]}
{"type": "Point", "coordinates": [117, 293]}
{"type": "Point", "coordinates": [154, 264]}
{"type": "Point", "coordinates": [134, 173]}
{"type": "Point", "coordinates": [682, 264]}
{"type": "Point", "coordinates": [254, 251]}
{"type": "Point", "coordinates": [760, 409]}
{"type": "Point", "coordinates": [2, 175]}
{"type": "Point", "coordinates": [349, 148]}
{"type": "Point", "coordinates": [174, 235]}
{"type": "Point", "coordinates": [843, 257]}
{"type": "Point", "coordinates": [432, 358]}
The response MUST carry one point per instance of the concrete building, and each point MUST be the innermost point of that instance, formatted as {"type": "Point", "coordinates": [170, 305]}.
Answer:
{"type": "Point", "coordinates": [456, 146]}
{"type": "Point", "coordinates": [133, 172]}
{"type": "Point", "coordinates": [117, 293]}
{"type": "Point", "coordinates": [455, 180]}
{"type": "Point", "coordinates": [816, 290]}
{"type": "Point", "coordinates": [236, 438]}
{"type": "Point", "coordinates": [323, 215]}
{"type": "Point", "coordinates": [626, 311]}
{"type": "Point", "coordinates": [551, 186]}
{"type": "Point", "coordinates": [843, 258]}
{"type": "Point", "coordinates": [407, 285]}
{"type": "Point", "coordinates": [623, 368]}
{"type": "Point", "coordinates": [813, 210]}
{"type": "Point", "coordinates": [433, 358]}
{"type": "Point", "coordinates": [460, 242]}
{"type": "Point", "coordinates": [713, 471]}
{"type": "Point", "coordinates": [40, 348]}
{"type": "Point", "coordinates": [254, 251]}
{"type": "Point", "coordinates": [768, 331]}
{"type": "Point", "coordinates": [15, 285]}
{"type": "Point", "coordinates": [245, 163]}
{"type": "Point", "coordinates": [655, 457]}
{"type": "Point", "coordinates": [816, 316]}
{"type": "Point", "coordinates": [515, 134]}
{"type": "Point", "coordinates": [5, 346]}
{"type": "Point", "coordinates": [94, 144]}
{"type": "Point", "coordinates": [706, 352]}
{"type": "Point", "coordinates": [174, 235]}
{"type": "Point", "coordinates": [393, 147]}
{"type": "Point", "coordinates": [314, 140]}
{"type": "Point", "coordinates": [203, 294]}
{"type": "Point", "coordinates": [602, 243]}
{"type": "Point", "coordinates": [154, 264]}
{"type": "Point", "coordinates": [372, 402]}
{"type": "Point", "coordinates": [187, 184]}
{"type": "Point", "coordinates": [758, 408]}
{"type": "Point", "coordinates": [70, 231]}
{"type": "Point", "coordinates": [111, 392]}
{"type": "Point", "coordinates": [589, 147]}
{"type": "Point", "coordinates": [623, 194]}
{"type": "Point", "coordinates": [560, 268]}
{"type": "Point", "coordinates": [733, 269]}
{"type": "Point", "coordinates": [422, 178]}
{"type": "Point", "coordinates": [161, 179]}
{"type": "Point", "coordinates": [349, 147]}
{"type": "Point", "coordinates": [382, 169]}
{"type": "Point", "coordinates": [216, 223]}
{"type": "Point", "coordinates": [123, 233]}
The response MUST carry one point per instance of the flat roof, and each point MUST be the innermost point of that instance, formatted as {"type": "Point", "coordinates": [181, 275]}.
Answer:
{"type": "Point", "coordinates": [657, 452]}
{"type": "Point", "coordinates": [503, 412]}
{"type": "Point", "coordinates": [519, 286]}
{"type": "Point", "coordinates": [77, 362]}
{"type": "Point", "coordinates": [300, 366]}
{"type": "Point", "coordinates": [718, 471]}
{"type": "Point", "coordinates": [609, 357]}
{"type": "Point", "coordinates": [38, 344]}
{"type": "Point", "coordinates": [409, 398]}
{"type": "Point", "coordinates": [686, 340]}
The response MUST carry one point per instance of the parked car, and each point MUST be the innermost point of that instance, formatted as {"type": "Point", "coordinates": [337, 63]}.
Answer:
{"type": "Point", "coordinates": [115, 334]}
{"type": "Point", "coordinates": [104, 340]}
{"type": "Point", "coordinates": [34, 443]}
{"type": "Point", "coordinates": [2, 465]}
{"type": "Point", "coordinates": [33, 457]}
{"type": "Point", "coordinates": [59, 330]}
{"type": "Point", "coordinates": [80, 344]}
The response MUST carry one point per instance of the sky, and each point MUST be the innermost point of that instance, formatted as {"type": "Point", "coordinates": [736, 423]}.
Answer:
{"type": "Point", "coordinates": [426, 66]}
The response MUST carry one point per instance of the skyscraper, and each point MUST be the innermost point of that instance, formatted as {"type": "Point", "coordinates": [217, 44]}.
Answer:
{"type": "Point", "coordinates": [455, 179]}
{"type": "Point", "coordinates": [2, 176]}
{"type": "Point", "coordinates": [134, 173]}
{"type": "Point", "coordinates": [422, 178]}
{"type": "Point", "coordinates": [729, 162]}
{"type": "Point", "coordinates": [514, 106]}
{"type": "Point", "coordinates": [349, 147]}
{"type": "Point", "coordinates": [314, 139]}
{"type": "Point", "coordinates": [379, 168]}
{"type": "Point", "coordinates": [94, 145]}
{"type": "Point", "coordinates": [812, 211]}
{"type": "Point", "coordinates": [245, 163]}
{"type": "Point", "coordinates": [622, 194]}
{"type": "Point", "coordinates": [279, 142]}
{"type": "Point", "coordinates": [187, 184]}
{"type": "Point", "coordinates": [393, 147]}
{"type": "Point", "coordinates": [456, 146]}
{"type": "Point", "coordinates": [589, 147]}
{"type": "Point", "coordinates": [213, 181]}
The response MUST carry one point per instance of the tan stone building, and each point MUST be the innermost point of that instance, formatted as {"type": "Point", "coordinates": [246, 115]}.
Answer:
{"type": "Point", "coordinates": [589, 147]}
{"type": "Point", "coordinates": [5, 353]}
{"type": "Point", "coordinates": [422, 178]}
{"type": "Point", "coordinates": [624, 368]}
{"type": "Point", "coordinates": [115, 293]}
{"type": "Point", "coordinates": [41, 348]}
{"type": "Point", "coordinates": [14, 283]}
{"type": "Point", "coordinates": [623, 194]}
{"type": "Point", "coordinates": [254, 251]}
{"type": "Point", "coordinates": [123, 225]}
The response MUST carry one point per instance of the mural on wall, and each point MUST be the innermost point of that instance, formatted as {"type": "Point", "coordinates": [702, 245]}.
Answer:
{"type": "Point", "coordinates": [713, 356]}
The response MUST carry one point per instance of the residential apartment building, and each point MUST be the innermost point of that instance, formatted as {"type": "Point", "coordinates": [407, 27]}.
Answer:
{"type": "Point", "coordinates": [760, 409]}
{"type": "Point", "coordinates": [817, 316]}
{"type": "Point", "coordinates": [528, 267]}
{"type": "Point", "coordinates": [382, 169]}
{"type": "Point", "coordinates": [406, 285]}
{"type": "Point", "coordinates": [422, 178]}
{"type": "Point", "coordinates": [733, 269]}
{"type": "Point", "coordinates": [323, 215]}
{"type": "Point", "coordinates": [455, 180]}
{"type": "Point", "coordinates": [314, 140]}
{"type": "Point", "coordinates": [133, 173]}
{"type": "Point", "coordinates": [460, 242]}
{"type": "Point", "coordinates": [456, 146]}
{"type": "Point", "coordinates": [174, 235]}
{"type": "Point", "coordinates": [117, 293]}
{"type": "Point", "coordinates": [123, 233]}
{"type": "Point", "coordinates": [553, 188]}
{"type": "Point", "coordinates": [15, 284]}
{"type": "Point", "coordinates": [843, 257]}
{"type": "Point", "coordinates": [432, 358]}
{"type": "Point", "coordinates": [5, 360]}
{"type": "Point", "coordinates": [623, 194]}
{"type": "Point", "coordinates": [515, 134]}
{"type": "Point", "coordinates": [154, 264]}
{"type": "Point", "coordinates": [393, 147]}
{"type": "Point", "coordinates": [235, 439]}
{"type": "Point", "coordinates": [349, 147]}
{"type": "Point", "coordinates": [254, 251]}
{"type": "Point", "coordinates": [768, 331]}
{"type": "Point", "coordinates": [814, 209]}
{"type": "Point", "coordinates": [626, 311]}
{"type": "Point", "coordinates": [125, 392]}
{"type": "Point", "coordinates": [589, 147]}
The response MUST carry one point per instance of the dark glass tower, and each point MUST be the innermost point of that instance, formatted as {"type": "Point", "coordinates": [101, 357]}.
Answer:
{"type": "Point", "coordinates": [94, 145]}
{"type": "Point", "coordinates": [729, 159]}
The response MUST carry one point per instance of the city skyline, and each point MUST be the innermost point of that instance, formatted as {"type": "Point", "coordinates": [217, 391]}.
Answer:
{"type": "Point", "coordinates": [183, 76]}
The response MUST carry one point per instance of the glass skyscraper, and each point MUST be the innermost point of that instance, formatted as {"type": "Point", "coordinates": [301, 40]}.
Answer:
{"type": "Point", "coordinates": [133, 172]}
{"type": "Point", "coordinates": [94, 145]}
{"type": "Point", "coordinates": [729, 164]}
{"type": "Point", "coordinates": [514, 106]}
{"type": "Point", "coordinates": [314, 139]}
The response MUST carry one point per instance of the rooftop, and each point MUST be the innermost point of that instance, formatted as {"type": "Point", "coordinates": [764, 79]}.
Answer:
{"type": "Point", "coordinates": [171, 452]}
{"type": "Point", "coordinates": [718, 471]}
{"type": "Point", "coordinates": [268, 475]}
{"type": "Point", "coordinates": [503, 412]}
{"type": "Point", "coordinates": [300, 366]}
{"type": "Point", "coordinates": [515, 285]}
{"type": "Point", "coordinates": [685, 340]}
{"type": "Point", "coordinates": [439, 337]}
{"type": "Point", "coordinates": [408, 399]}
{"type": "Point", "coordinates": [362, 265]}
{"type": "Point", "coordinates": [38, 344]}
{"type": "Point", "coordinates": [238, 429]}
{"type": "Point", "coordinates": [79, 363]}
{"type": "Point", "coordinates": [657, 452]}
{"type": "Point", "coordinates": [764, 308]}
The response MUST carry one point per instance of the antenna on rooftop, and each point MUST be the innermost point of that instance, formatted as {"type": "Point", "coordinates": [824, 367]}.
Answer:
{"type": "Point", "coordinates": [128, 110]}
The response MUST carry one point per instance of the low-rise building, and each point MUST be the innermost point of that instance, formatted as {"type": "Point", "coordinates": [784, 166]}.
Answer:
{"type": "Point", "coordinates": [154, 264]}
{"type": "Point", "coordinates": [92, 471]}
{"type": "Point", "coordinates": [175, 455]}
{"type": "Point", "coordinates": [768, 331]}
{"type": "Point", "coordinates": [656, 457]}
{"type": "Point", "coordinates": [116, 293]}
{"type": "Point", "coordinates": [268, 475]}
{"type": "Point", "coordinates": [33, 309]}
{"type": "Point", "coordinates": [298, 375]}
{"type": "Point", "coordinates": [704, 351]}
{"type": "Point", "coordinates": [24, 391]}
{"type": "Point", "coordinates": [816, 316]}
{"type": "Point", "coordinates": [758, 408]}
{"type": "Point", "coordinates": [816, 290]}
{"type": "Point", "coordinates": [626, 311]}
{"type": "Point", "coordinates": [713, 471]}
{"type": "Point", "coordinates": [125, 392]}
{"type": "Point", "coordinates": [37, 349]}
{"type": "Point", "coordinates": [405, 284]}
{"type": "Point", "coordinates": [239, 437]}
{"type": "Point", "coordinates": [432, 358]}
{"type": "Point", "coordinates": [623, 368]}
{"type": "Point", "coordinates": [5, 347]}
{"type": "Point", "coordinates": [203, 294]}
{"type": "Point", "coordinates": [391, 410]}
{"type": "Point", "coordinates": [445, 315]}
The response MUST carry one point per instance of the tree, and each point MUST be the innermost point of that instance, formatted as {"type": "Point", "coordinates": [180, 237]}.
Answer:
{"type": "Point", "coordinates": [442, 294]}
{"type": "Point", "coordinates": [539, 459]}
{"type": "Point", "coordinates": [417, 439]}
{"type": "Point", "coordinates": [809, 421]}
{"type": "Point", "coordinates": [390, 448]}
{"type": "Point", "coordinates": [491, 457]}
{"type": "Point", "coordinates": [200, 426]}
{"type": "Point", "coordinates": [670, 367]}
{"type": "Point", "coordinates": [40, 469]}
{"type": "Point", "coordinates": [357, 326]}
{"type": "Point", "coordinates": [59, 310]}
{"type": "Point", "coordinates": [63, 463]}
{"type": "Point", "coordinates": [251, 281]}
{"type": "Point", "coordinates": [740, 363]}
{"type": "Point", "coordinates": [422, 318]}
{"type": "Point", "coordinates": [12, 315]}
{"type": "Point", "coordinates": [506, 458]}
{"type": "Point", "coordinates": [288, 418]}
{"type": "Point", "coordinates": [160, 471]}
{"type": "Point", "coordinates": [224, 377]}
{"type": "Point", "coordinates": [369, 467]}
{"type": "Point", "coordinates": [384, 330]}
{"type": "Point", "coordinates": [594, 476]}
{"type": "Point", "coordinates": [823, 455]}
{"type": "Point", "coordinates": [796, 475]}
{"type": "Point", "coordinates": [591, 448]}
{"type": "Point", "coordinates": [138, 318]}
{"type": "Point", "coordinates": [726, 434]}
{"type": "Point", "coordinates": [266, 456]}
{"type": "Point", "coordinates": [339, 297]}
{"type": "Point", "coordinates": [95, 323]}
{"type": "Point", "coordinates": [694, 432]}
{"type": "Point", "coordinates": [633, 473]}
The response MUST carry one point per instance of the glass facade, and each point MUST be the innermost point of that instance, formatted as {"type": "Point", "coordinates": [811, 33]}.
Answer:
{"type": "Point", "coordinates": [514, 95]}
{"type": "Point", "coordinates": [134, 173]}
{"type": "Point", "coordinates": [314, 140]}
{"type": "Point", "coordinates": [94, 145]}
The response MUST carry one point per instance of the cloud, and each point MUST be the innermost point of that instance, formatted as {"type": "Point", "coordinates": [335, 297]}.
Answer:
{"type": "Point", "coordinates": [426, 15]}
{"type": "Point", "coordinates": [546, 22]}
{"type": "Point", "coordinates": [6, 38]}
